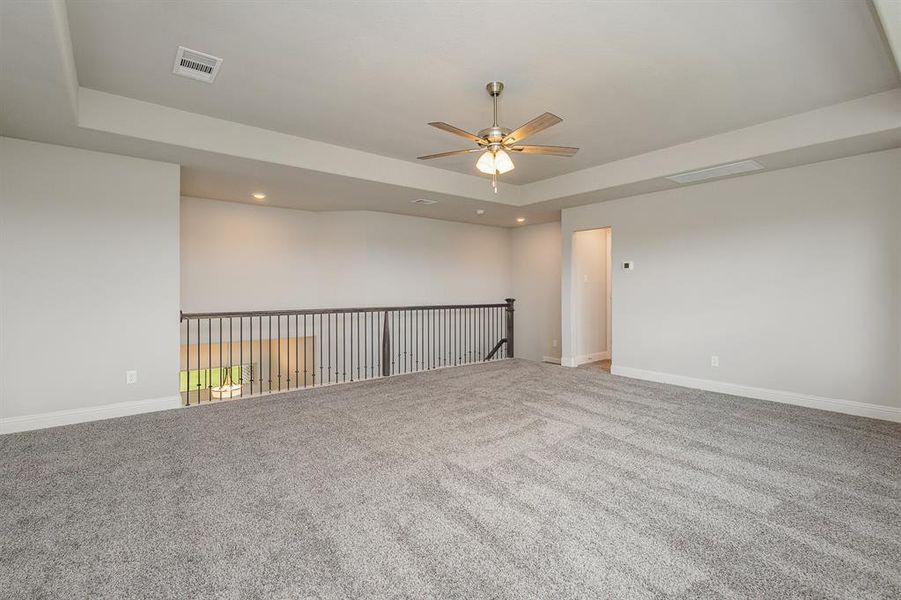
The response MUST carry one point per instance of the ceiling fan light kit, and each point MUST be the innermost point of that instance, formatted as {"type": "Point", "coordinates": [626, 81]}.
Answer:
{"type": "Point", "coordinates": [496, 163]}
{"type": "Point", "coordinates": [495, 142]}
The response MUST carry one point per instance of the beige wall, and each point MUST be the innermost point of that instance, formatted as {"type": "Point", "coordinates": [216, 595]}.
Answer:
{"type": "Point", "coordinates": [89, 268]}
{"type": "Point", "coordinates": [238, 256]}
{"type": "Point", "coordinates": [536, 287]}
{"type": "Point", "coordinates": [790, 277]}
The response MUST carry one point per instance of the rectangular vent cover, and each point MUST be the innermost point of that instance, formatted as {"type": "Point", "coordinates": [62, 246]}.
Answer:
{"type": "Point", "coordinates": [196, 65]}
{"type": "Point", "coordinates": [744, 166]}
{"type": "Point", "coordinates": [423, 201]}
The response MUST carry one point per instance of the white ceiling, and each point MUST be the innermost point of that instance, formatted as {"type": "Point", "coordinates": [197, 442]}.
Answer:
{"type": "Point", "coordinates": [627, 77]}
{"type": "Point", "coordinates": [43, 97]}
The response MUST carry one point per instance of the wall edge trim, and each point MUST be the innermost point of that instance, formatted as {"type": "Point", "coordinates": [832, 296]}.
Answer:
{"type": "Point", "coordinates": [87, 413]}
{"type": "Point", "coordinates": [848, 407]}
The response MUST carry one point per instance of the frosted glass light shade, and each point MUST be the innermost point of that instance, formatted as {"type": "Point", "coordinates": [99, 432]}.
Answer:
{"type": "Point", "coordinates": [486, 163]}
{"type": "Point", "coordinates": [502, 162]}
{"type": "Point", "coordinates": [495, 163]}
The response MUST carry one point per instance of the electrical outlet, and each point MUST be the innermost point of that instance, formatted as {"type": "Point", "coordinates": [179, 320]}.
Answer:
{"type": "Point", "coordinates": [714, 361]}
{"type": "Point", "coordinates": [629, 265]}
{"type": "Point", "coordinates": [555, 343]}
{"type": "Point", "coordinates": [131, 377]}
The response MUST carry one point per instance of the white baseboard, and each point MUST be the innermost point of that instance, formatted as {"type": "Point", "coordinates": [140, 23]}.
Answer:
{"type": "Point", "coordinates": [551, 359]}
{"type": "Point", "coordinates": [849, 407]}
{"type": "Point", "coordinates": [575, 361]}
{"type": "Point", "coordinates": [88, 413]}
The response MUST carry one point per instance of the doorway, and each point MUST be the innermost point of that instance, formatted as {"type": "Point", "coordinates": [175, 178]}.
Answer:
{"type": "Point", "coordinates": [592, 299]}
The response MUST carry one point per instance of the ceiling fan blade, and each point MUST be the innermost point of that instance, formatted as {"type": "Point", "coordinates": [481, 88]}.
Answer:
{"type": "Point", "coordinates": [451, 153]}
{"type": "Point", "coordinates": [537, 124]}
{"type": "Point", "coordinates": [552, 150]}
{"type": "Point", "coordinates": [457, 131]}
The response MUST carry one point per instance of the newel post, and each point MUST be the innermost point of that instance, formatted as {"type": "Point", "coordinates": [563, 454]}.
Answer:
{"type": "Point", "coordinates": [509, 309]}
{"type": "Point", "coordinates": [386, 347]}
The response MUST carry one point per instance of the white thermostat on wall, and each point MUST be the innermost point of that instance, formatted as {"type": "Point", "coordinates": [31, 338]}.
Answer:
{"type": "Point", "coordinates": [628, 265]}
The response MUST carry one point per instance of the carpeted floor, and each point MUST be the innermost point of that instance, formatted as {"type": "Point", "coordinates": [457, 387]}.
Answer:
{"type": "Point", "coordinates": [504, 480]}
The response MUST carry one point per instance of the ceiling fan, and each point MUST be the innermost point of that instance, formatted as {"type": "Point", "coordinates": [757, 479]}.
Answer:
{"type": "Point", "coordinates": [494, 142]}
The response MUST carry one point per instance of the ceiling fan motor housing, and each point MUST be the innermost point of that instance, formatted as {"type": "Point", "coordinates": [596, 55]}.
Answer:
{"type": "Point", "coordinates": [494, 134]}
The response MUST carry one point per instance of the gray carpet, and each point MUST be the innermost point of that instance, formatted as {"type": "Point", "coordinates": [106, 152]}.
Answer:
{"type": "Point", "coordinates": [504, 480]}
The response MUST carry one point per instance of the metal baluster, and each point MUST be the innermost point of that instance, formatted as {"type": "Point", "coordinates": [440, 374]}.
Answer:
{"type": "Point", "coordinates": [459, 335]}
{"type": "Point", "coordinates": [320, 354]}
{"type": "Point", "coordinates": [287, 348]}
{"type": "Point", "coordinates": [386, 346]}
{"type": "Point", "coordinates": [278, 322]}
{"type": "Point", "coordinates": [450, 337]}
{"type": "Point", "coordinates": [304, 351]}
{"type": "Point", "coordinates": [339, 345]}
{"type": "Point", "coordinates": [328, 330]}
{"type": "Point", "coordinates": [187, 365]}
{"type": "Point", "coordinates": [479, 342]}
{"type": "Point", "coordinates": [260, 349]}
{"type": "Point", "coordinates": [209, 358]}
{"type": "Point", "coordinates": [343, 347]}
{"type": "Point", "coordinates": [357, 316]}
{"type": "Point", "coordinates": [491, 327]}
{"type": "Point", "coordinates": [456, 336]}
{"type": "Point", "coordinates": [468, 334]}
{"type": "Point", "coordinates": [219, 379]}
{"type": "Point", "coordinates": [352, 347]}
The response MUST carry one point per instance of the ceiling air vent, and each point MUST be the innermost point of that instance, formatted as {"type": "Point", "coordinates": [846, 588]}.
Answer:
{"type": "Point", "coordinates": [744, 166]}
{"type": "Point", "coordinates": [423, 201]}
{"type": "Point", "coordinates": [196, 65]}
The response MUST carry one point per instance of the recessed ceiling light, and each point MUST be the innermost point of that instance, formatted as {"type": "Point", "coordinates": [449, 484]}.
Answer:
{"type": "Point", "coordinates": [259, 196]}
{"type": "Point", "coordinates": [521, 220]}
{"type": "Point", "coordinates": [481, 211]}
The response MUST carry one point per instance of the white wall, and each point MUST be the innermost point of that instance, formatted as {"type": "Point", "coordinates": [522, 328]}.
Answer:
{"type": "Point", "coordinates": [536, 287]}
{"type": "Point", "coordinates": [791, 277]}
{"type": "Point", "coordinates": [89, 267]}
{"type": "Point", "coordinates": [588, 308]}
{"type": "Point", "coordinates": [245, 257]}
